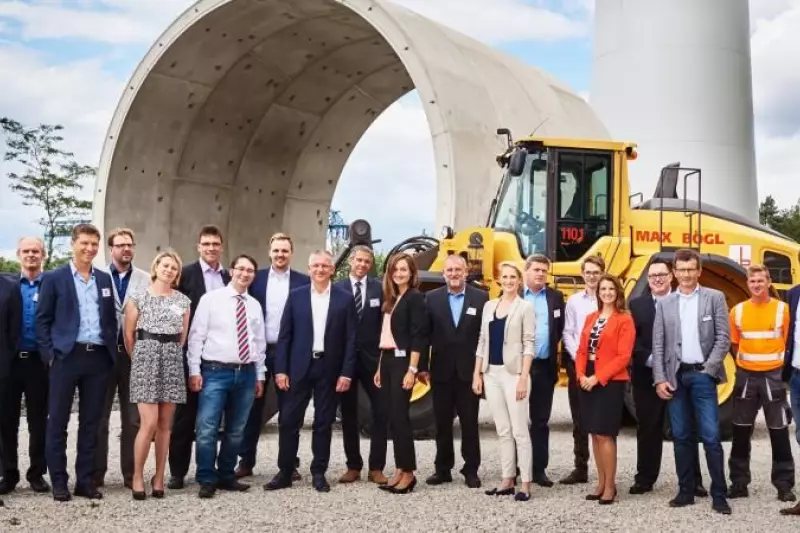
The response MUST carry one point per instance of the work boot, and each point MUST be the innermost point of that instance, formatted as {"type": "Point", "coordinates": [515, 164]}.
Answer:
{"type": "Point", "coordinates": [576, 476]}
{"type": "Point", "coordinates": [786, 495]}
{"type": "Point", "coordinates": [738, 490]}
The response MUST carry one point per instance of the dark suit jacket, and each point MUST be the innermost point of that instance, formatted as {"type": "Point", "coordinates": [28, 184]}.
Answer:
{"type": "Point", "coordinates": [555, 321]}
{"type": "Point", "coordinates": [10, 323]}
{"type": "Point", "coordinates": [193, 285]}
{"type": "Point", "coordinates": [643, 309]}
{"type": "Point", "coordinates": [258, 289]}
{"type": "Point", "coordinates": [409, 325]}
{"type": "Point", "coordinates": [453, 348]}
{"type": "Point", "coordinates": [296, 338]}
{"type": "Point", "coordinates": [793, 298]}
{"type": "Point", "coordinates": [368, 331]}
{"type": "Point", "coordinates": [58, 318]}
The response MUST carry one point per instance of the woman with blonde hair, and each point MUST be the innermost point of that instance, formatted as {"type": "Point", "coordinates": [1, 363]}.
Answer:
{"type": "Point", "coordinates": [502, 370]}
{"type": "Point", "coordinates": [156, 325]}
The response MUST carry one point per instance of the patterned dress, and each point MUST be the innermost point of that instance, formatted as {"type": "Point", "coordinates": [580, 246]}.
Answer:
{"type": "Point", "coordinates": [157, 367]}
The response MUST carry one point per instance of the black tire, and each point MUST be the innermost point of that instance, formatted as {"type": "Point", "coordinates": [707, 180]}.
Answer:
{"type": "Point", "coordinates": [270, 402]}
{"type": "Point", "coordinates": [423, 421]}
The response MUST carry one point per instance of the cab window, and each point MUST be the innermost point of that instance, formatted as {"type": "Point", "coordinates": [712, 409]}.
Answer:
{"type": "Point", "coordinates": [779, 266]}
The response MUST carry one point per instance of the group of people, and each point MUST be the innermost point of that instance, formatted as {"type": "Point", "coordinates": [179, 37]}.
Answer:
{"type": "Point", "coordinates": [188, 350]}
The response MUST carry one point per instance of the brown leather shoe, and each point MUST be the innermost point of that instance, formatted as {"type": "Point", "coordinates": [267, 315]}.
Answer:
{"type": "Point", "coordinates": [352, 475]}
{"type": "Point", "coordinates": [376, 476]}
{"type": "Point", "coordinates": [242, 472]}
{"type": "Point", "coordinates": [792, 510]}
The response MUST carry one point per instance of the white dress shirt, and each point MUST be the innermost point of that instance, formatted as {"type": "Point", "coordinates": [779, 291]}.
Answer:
{"type": "Point", "coordinates": [691, 351]}
{"type": "Point", "coordinates": [213, 333]}
{"type": "Point", "coordinates": [320, 302]}
{"type": "Point", "coordinates": [579, 306]}
{"type": "Point", "coordinates": [211, 277]}
{"type": "Point", "coordinates": [277, 293]}
{"type": "Point", "coordinates": [353, 281]}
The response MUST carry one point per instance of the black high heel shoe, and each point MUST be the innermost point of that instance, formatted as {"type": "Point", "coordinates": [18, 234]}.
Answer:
{"type": "Point", "coordinates": [138, 494]}
{"type": "Point", "coordinates": [593, 497]}
{"type": "Point", "coordinates": [500, 492]}
{"type": "Point", "coordinates": [156, 493]}
{"type": "Point", "coordinates": [601, 501]}
{"type": "Point", "coordinates": [405, 490]}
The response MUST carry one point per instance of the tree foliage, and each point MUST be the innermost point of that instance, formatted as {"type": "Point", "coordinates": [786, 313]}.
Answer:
{"type": "Point", "coordinates": [786, 221]}
{"type": "Point", "coordinates": [49, 178]}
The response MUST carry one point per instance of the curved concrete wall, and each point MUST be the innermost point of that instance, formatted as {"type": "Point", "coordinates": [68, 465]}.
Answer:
{"type": "Point", "coordinates": [244, 113]}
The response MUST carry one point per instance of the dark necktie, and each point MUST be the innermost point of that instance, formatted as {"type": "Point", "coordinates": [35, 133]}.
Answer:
{"type": "Point", "coordinates": [241, 329]}
{"type": "Point", "coordinates": [359, 306]}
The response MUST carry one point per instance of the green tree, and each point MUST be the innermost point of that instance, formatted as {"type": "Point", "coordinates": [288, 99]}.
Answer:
{"type": "Point", "coordinates": [8, 265]}
{"type": "Point", "coordinates": [786, 221]}
{"type": "Point", "coordinates": [50, 178]}
{"type": "Point", "coordinates": [768, 211]}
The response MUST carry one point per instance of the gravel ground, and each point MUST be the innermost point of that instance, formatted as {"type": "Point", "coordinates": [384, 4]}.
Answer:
{"type": "Point", "coordinates": [362, 507]}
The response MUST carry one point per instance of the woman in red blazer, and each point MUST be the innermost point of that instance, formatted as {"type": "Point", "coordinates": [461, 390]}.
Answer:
{"type": "Point", "coordinates": [602, 370]}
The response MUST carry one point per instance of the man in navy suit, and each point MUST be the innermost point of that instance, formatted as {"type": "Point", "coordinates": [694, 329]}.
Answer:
{"type": "Point", "coordinates": [10, 320]}
{"type": "Point", "coordinates": [316, 356]}
{"type": "Point", "coordinates": [368, 299]}
{"type": "Point", "coordinates": [76, 330]}
{"type": "Point", "coordinates": [791, 371]}
{"type": "Point", "coordinates": [271, 288]}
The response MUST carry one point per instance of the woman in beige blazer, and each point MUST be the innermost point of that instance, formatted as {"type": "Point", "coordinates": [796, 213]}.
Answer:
{"type": "Point", "coordinates": [502, 370]}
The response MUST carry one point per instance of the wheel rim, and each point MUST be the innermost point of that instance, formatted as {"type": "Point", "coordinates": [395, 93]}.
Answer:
{"type": "Point", "coordinates": [419, 391]}
{"type": "Point", "coordinates": [725, 390]}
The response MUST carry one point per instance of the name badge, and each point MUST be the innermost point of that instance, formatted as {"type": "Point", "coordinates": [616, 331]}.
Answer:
{"type": "Point", "coordinates": [399, 353]}
{"type": "Point", "coordinates": [36, 297]}
{"type": "Point", "coordinates": [557, 313]}
{"type": "Point", "coordinates": [106, 293]}
{"type": "Point", "coordinates": [707, 318]}
{"type": "Point", "coordinates": [472, 311]}
{"type": "Point", "coordinates": [374, 302]}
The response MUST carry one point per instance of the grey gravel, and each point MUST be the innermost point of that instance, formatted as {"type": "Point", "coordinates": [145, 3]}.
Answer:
{"type": "Point", "coordinates": [362, 507]}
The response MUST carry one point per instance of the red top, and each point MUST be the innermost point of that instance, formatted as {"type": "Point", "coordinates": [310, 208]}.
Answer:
{"type": "Point", "coordinates": [614, 348]}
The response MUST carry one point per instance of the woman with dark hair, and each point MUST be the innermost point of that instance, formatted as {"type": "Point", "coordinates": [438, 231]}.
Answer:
{"type": "Point", "coordinates": [602, 369]}
{"type": "Point", "coordinates": [403, 342]}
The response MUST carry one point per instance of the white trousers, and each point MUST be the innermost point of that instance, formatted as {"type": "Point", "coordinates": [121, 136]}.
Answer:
{"type": "Point", "coordinates": [511, 420]}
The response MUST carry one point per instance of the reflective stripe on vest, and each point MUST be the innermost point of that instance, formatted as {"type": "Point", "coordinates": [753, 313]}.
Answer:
{"type": "Point", "coordinates": [776, 333]}
{"type": "Point", "coordinates": [761, 357]}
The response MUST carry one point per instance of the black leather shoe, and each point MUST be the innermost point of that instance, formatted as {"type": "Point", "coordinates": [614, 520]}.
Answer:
{"type": "Point", "coordinates": [700, 491]}
{"type": "Point", "coordinates": [175, 483]}
{"type": "Point", "coordinates": [320, 483]}
{"type": "Point", "coordinates": [472, 481]}
{"type": "Point", "coordinates": [6, 486]}
{"type": "Point", "coordinates": [61, 494]}
{"type": "Point", "coordinates": [786, 496]}
{"type": "Point", "coordinates": [542, 480]}
{"type": "Point", "coordinates": [296, 475]}
{"type": "Point", "coordinates": [682, 500]}
{"type": "Point", "coordinates": [738, 491]}
{"type": "Point", "coordinates": [233, 486]}
{"type": "Point", "coordinates": [38, 484]}
{"type": "Point", "coordinates": [207, 490]}
{"type": "Point", "coordinates": [574, 477]}
{"type": "Point", "coordinates": [721, 506]}
{"type": "Point", "coordinates": [636, 488]}
{"type": "Point", "coordinates": [522, 496]}
{"type": "Point", "coordinates": [500, 492]}
{"type": "Point", "coordinates": [88, 492]}
{"type": "Point", "coordinates": [280, 481]}
{"type": "Point", "coordinates": [440, 477]}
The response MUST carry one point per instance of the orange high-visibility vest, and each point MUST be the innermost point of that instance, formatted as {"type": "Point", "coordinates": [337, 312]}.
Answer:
{"type": "Point", "coordinates": [760, 330]}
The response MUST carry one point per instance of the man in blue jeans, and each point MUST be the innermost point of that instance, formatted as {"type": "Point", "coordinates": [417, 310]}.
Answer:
{"type": "Point", "coordinates": [226, 352]}
{"type": "Point", "coordinates": [791, 372]}
{"type": "Point", "coordinates": [691, 337]}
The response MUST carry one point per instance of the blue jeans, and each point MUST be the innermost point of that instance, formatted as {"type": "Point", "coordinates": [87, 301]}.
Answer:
{"type": "Point", "coordinates": [794, 395]}
{"type": "Point", "coordinates": [228, 391]}
{"type": "Point", "coordinates": [697, 392]}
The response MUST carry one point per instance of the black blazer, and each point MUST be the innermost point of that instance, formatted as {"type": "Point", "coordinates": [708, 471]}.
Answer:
{"type": "Point", "coordinates": [10, 323]}
{"type": "Point", "coordinates": [643, 310]}
{"type": "Point", "coordinates": [193, 285]}
{"type": "Point", "coordinates": [555, 309]}
{"type": "Point", "coordinates": [409, 325]}
{"type": "Point", "coordinates": [453, 348]}
{"type": "Point", "coordinates": [792, 298]}
{"type": "Point", "coordinates": [368, 331]}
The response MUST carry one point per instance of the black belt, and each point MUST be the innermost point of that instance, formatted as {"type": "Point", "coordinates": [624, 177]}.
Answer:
{"type": "Point", "coordinates": [160, 337]}
{"type": "Point", "coordinates": [89, 347]}
{"type": "Point", "coordinates": [218, 365]}
{"type": "Point", "coordinates": [317, 355]}
{"type": "Point", "coordinates": [691, 367]}
{"type": "Point", "coordinates": [27, 354]}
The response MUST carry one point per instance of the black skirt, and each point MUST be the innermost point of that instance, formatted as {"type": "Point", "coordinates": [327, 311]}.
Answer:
{"type": "Point", "coordinates": [601, 408]}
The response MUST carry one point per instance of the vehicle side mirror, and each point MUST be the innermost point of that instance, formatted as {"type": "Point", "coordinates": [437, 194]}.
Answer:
{"type": "Point", "coordinates": [516, 164]}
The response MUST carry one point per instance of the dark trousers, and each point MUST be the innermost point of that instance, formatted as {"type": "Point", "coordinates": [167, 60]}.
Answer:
{"type": "Point", "coordinates": [650, 413]}
{"type": "Point", "coordinates": [183, 425]}
{"type": "Point", "coordinates": [322, 386]}
{"type": "Point", "coordinates": [27, 375]}
{"type": "Point", "coordinates": [543, 385]}
{"type": "Point", "coordinates": [697, 393]}
{"type": "Point", "coordinates": [88, 371]}
{"type": "Point", "coordinates": [398, 403]}
{"type": "Point", "coordinates": [580, 438]}
{"type": "Point", "coordinates": [351, 433]}
{"type": "Point", "coordinates": [456, 396]}
{"type": "Point", "coordinates": [119, 386]}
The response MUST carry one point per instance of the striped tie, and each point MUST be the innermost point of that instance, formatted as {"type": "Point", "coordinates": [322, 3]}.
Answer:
{"type": "Point", "coordinates": [357, 298]}
{"type": "Point", "coordinates": [241, 328]}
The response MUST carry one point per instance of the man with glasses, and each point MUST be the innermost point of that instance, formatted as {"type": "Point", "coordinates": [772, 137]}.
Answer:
{"type": "Point", "coordinates": [226, 351]}
{"type": "Point", "coordinates": [579, 306]}
{"type": "Point", "coordinates": [691, 338]}
{"type": "Point", "coordinates": [128, 280]}
{"type": "Point", "coordinates": [198, 278]}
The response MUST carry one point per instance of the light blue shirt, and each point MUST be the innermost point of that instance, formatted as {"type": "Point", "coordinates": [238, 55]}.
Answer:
{"type": "Point", "coordinates": [89, 331]}
{"type": "Point", "coordinates": [691, 352]}
{"type": "Point", "coordinates": [542, 340]}
{"type": "Point", "coordinates": [456, 305]}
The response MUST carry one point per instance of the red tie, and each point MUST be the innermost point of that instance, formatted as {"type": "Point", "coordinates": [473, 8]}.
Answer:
{"type": "Point", "coordinates": [241, 328]}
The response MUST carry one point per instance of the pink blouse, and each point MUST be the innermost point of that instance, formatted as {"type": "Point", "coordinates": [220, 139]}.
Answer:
{"type": "Point", "coordinates": [387, 339]}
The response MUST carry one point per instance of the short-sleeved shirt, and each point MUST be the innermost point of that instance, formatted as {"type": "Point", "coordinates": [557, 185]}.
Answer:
{"type": "Point", "coordinates": [760, 330]}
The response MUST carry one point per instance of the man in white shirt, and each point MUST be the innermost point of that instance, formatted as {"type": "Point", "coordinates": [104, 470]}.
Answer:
{"type": "Point", "coordinates": [579, 306]}
{"type": "Point", "coordinates": [226, 367]}
{"type": "Point", "coordinates": [316, 356]}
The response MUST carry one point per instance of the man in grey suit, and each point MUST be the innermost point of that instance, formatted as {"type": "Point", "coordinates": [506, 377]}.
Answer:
{"type": "Point", "coordinates": [128, 280]}
{"type": "Point", "coordinates": [691, 337]}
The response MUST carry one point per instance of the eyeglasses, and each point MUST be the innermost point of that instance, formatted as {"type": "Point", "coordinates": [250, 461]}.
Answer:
{"type": "Point", "coordinates": [125, 245]}
{"type": "Point", "coordinates": [661, 275]}
{"type": "Point", "coordinates": [592, 274]}
{"type": "Point", "coordinates": [244, 270]}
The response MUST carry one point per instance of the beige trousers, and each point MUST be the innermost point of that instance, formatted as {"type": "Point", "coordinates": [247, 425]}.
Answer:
{"type": "Point", "coordinates": [511, 421]}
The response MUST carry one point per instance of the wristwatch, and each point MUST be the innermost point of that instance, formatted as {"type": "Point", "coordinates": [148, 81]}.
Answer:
{"type": "Point", "coordinates": [413, 369]}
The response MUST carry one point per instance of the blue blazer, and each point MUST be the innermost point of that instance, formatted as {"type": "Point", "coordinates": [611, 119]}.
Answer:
{"type": "Point", "coordinates": [296, 338]}
{"type": "Point", "coordinates": [258, 289]}
{"type": "Point", "coordinates": [58, 318]}
{"type": "Point", "coordinates": [793, 298]}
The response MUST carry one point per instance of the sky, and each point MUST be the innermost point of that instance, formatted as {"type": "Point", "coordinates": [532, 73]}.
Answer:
{"type": "Point", "coordinates": [67, 61]}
